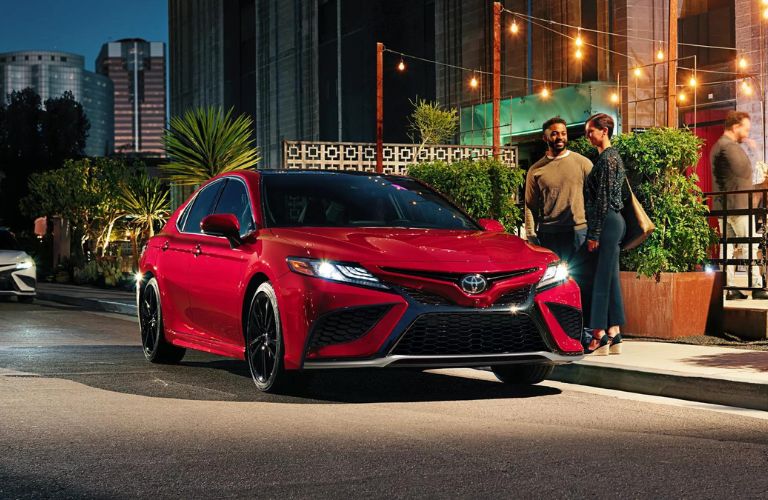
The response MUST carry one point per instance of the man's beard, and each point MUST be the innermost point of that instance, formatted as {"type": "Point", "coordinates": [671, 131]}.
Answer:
{"type": "Point", "coordinates": [557, 147]}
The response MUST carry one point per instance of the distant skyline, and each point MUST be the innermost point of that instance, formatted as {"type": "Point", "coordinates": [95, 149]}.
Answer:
{"type": "Point", "coordinates": [80, 27]}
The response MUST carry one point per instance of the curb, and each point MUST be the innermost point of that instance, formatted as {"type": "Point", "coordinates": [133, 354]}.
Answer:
{"type": "Point", "coordinates": [666, 384]}
{"type": "Point", "coordinates": [93, 304]}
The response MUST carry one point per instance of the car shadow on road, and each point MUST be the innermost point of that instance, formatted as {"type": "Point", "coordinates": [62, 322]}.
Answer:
{"type": "Point", "coordinates": [210, 378]}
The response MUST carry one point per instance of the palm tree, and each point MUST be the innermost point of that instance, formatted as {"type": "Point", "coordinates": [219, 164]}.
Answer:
{"type": "Point", "coordinates": [204, 142]}
{"type": "Point", "coordinates": [144, 202]}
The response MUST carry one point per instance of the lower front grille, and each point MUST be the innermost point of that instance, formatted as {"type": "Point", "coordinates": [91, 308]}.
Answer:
{"type": "Point", "coordinates": [470, 333]}
{"type": "Point", "coordinates": [346, 325]}
{"type": "Point", "coordinates": [515, 297]}
{"type": "Point", "coordinates": [570, 319]}
{"type": "Point", "coordinates": [427, 298]}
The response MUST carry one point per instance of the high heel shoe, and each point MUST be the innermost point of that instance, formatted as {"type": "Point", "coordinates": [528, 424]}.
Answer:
{"type": "Point", "coordinates": [614, 344]}
{"type": "Point", "coordinates": [602, 349]}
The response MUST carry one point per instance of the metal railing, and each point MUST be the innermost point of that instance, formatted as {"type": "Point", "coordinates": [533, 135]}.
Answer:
{"type": "Point", "coordinates": [755, 214]}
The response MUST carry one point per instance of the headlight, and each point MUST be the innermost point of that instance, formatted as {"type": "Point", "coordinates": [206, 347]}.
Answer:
{"type": "Point", "coordinates": [334, 271]}
{"type": "Point", "coordinates": [25, 264]}
{"type": "Point", "coordinates": [554, 275]}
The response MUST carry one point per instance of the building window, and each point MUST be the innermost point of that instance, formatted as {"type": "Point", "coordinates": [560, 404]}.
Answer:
{"type": "Point", "coordinates": [63, 59]}
{"type": "Point", "coordinates": [39, 58]}
{"type": "Point", "coordinates": [13, 58]}
{"type": "Point", "coordinates": [26, 58]}
{"type": "Point", "coordinates": [53, 58]}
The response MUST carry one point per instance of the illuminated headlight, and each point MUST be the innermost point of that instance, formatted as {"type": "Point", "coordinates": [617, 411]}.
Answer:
{"type": "Point", "coordinates": [554, 275]}
{"type": "Point", "coordinates": [25, 264]}
{"type": "Point", "coordinates": [334, 271]}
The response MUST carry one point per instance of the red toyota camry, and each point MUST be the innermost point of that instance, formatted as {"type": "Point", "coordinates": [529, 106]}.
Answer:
{"type": "Point", "coordinates": [300, 270]}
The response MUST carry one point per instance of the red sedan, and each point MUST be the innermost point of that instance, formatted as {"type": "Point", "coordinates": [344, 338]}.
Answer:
{"type": "Point", "coordinates": [300, 270]}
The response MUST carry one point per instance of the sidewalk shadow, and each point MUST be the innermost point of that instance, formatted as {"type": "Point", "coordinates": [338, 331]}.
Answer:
{"type": "Point", "coordinates": [205, 377]}
{"type": "Point", "coordinates": [742, 360]}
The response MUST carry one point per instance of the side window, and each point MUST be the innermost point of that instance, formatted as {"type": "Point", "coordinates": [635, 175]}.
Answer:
{"type": "Point", "coordinates": [203, 205]}
{"type": "Point", "coordinates": [234, 200]}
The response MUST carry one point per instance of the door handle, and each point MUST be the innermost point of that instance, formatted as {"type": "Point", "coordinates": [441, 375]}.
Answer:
{"type": "Point", "coordinates": [165, 246]}
{"type": "Point", "coordinates": [197, 251]}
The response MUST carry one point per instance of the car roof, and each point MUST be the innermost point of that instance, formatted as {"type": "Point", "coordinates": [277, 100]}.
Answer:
{"type": "Point", "coordinates": [284, 171]}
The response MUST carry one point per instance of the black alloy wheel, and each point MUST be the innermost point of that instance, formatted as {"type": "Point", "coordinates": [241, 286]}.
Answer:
{"type": "Point", "coordinates": [264, 341]}
{"type": "Point", "coordinates": [156, 348]}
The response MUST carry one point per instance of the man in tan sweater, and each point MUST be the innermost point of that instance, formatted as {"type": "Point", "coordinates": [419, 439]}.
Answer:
{"type": "Point", "coordinates": [554, 204]}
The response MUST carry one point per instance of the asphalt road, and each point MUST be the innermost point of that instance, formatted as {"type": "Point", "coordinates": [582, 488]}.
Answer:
{"type": "Point", "coordinates": [83, 415]}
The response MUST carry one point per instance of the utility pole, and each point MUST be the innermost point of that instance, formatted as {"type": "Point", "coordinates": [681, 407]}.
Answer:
{"type": "Point", "coordinates": [672, 66]}
{"type": "Point", "coordinates": [496, 78]}
{"type": "Point", "coordinates": [379, 107]}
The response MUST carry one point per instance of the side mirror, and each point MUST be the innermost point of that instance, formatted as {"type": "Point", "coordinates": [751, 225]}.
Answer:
{"type": "Point", "coordinates": [225, 225]}
{"type": "Point", "coordinates": [491, 225]}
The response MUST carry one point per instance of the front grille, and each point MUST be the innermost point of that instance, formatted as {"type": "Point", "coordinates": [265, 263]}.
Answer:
{"type": "Point", "coordinates": [570, 319]}
{"type": "Point", "coordinates": [6, 281]}
{"type": "Point", "coordinates": [515, 297]}
{"type": "Point", "coordinates": [456, 277]}
{"type": "Point", "coordinates": [427, 298]}
{"type": "Point", "coordinates": [470, 333]}
{"type": "Point", "coordinates": [346, 325]}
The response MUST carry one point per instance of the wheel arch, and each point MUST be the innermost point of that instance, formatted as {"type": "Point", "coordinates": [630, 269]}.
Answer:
{"type": "Point", "coordinates": [253, 284]}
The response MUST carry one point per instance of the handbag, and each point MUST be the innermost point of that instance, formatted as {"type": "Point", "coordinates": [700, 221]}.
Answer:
{"type": "Point", "coordinates": [639, 225]}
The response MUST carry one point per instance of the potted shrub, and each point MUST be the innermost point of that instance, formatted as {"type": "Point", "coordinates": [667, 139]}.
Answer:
{"type": "Point", "coordinates": [666, 293]}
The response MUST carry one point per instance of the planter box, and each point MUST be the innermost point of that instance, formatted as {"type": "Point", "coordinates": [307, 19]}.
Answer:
{"type": "Point", "coordinates": [678, 305]}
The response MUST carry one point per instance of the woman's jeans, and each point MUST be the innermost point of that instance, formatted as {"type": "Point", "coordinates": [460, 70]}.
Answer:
{"type": "Point", "coordinates": [607, 304]}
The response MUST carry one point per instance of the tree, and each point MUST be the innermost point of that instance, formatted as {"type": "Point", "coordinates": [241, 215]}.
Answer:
{"type": "Point", "coordinates": [204, 142]}
{"type": "Point", "coordinates": [429, 124]}
{"type": "Point", "coordinates": [144, 202]}
{"type": "Point", "coordinates": [64, 129]}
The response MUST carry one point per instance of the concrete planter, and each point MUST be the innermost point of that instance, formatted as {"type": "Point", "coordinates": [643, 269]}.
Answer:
{"type": "Point", "coordinates": [678, 305]}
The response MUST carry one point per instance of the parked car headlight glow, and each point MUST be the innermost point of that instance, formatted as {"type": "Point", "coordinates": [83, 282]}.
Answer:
{"type": "Point", "coordinates": [334, 271]}
{"type": "Point", "coordinates": [25, 264]}
{"type": "Point", "coordinates": [554, 275]}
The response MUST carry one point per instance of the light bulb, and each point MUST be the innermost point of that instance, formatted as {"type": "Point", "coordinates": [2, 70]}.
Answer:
{"type": "Point", "coordinates": [401, 65]}
{"type": "Point", "coordinates": [660, 55]}
{"type": "Point", "coordinates": [545, 92]}
{"type": "Point", "coordinates": [681, 97]}
{"type": "Point", "coordinates": [473, 82]}
{"type": "Point", "coordinates": [578, 54]}
{"type": "Point", "coordinates": [514, 28]}
{"type": "Point", "coordinates": [743, 63]}
{"type": "Point", "coordinates": [692, 82]}
{"type": "Point", "coordinates": [638, 72]}
{"type": "Point", "coordinates": [614, 98]}
{"type": "Point", "coordinates": [579, 41]}
{"type": "Point", "coordinates": [765, 14]}
{"type": "Point", "coordinates": [746, 87]}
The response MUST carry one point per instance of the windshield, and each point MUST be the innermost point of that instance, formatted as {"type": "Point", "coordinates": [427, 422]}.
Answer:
{"type": "Point", "coordinates": [8, 241]}
{"type": "Point", "coordinates": [343, 200]}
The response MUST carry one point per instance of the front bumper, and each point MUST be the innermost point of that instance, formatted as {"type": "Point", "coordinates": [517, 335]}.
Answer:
{"type": "Point", "coordinates": [19, 282]}
{"type": "Point", "coordinates": [332, 325]}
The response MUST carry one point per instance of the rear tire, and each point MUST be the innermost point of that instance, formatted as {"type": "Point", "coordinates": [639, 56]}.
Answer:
{"type": "Point", "coordinates": [522, 374]}
{"type": "Point", "coordinates": [264, 345]}
{"type": "Point", "coordinates": [156, 348]}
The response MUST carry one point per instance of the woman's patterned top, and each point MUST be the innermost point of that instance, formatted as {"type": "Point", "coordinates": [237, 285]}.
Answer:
{"type": "Point", "coordinates": [604, 189]}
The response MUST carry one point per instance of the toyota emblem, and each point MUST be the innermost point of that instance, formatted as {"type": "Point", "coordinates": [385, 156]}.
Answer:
{"type": "Point", "coordinates": [473, 283]}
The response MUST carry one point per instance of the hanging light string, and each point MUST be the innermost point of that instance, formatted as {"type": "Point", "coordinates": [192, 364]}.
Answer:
{"type": "Point", "coordinates": [570, 26]}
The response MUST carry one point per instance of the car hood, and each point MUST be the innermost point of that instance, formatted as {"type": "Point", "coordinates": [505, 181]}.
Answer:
{"type": "Point", "coordinates": [12, 257]}
{"type": "Point", "coordinates": [425, 248]}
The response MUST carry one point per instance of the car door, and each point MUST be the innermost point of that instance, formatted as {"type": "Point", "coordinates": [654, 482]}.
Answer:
{"type": "Point", "coordinates": [178, 256]}
{"type": "Point", "coordinates": [219, 269]}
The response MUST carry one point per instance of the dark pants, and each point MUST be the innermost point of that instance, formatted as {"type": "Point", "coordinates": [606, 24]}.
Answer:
{"type": "Point", "coordinates": [607, 304]}
{"type": "Point", "coordinates": [570, 248]}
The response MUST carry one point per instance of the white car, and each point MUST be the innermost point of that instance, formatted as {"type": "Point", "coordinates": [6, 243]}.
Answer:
{"type": "Point", "coordinates": [18, 275]}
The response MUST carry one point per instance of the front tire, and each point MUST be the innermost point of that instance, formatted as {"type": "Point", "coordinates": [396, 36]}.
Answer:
{"type": "Point", "coordinates": [264, 346]}
{"type": "Point", "coordinates": [156, 348]}
{"type": "Point", "coordinates": [522, 374]}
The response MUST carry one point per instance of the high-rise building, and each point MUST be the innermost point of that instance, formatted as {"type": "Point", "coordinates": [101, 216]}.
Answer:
{"type": "Point", "coordinates": [51, 74]}
{"type": "Point", "coordinates": [137, 70]}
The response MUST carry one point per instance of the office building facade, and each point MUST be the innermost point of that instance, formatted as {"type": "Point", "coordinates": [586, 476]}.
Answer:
{"type": "Point", "coordinates": [137, 70]}
{"type": "Point", "coordinates": [51, 74]}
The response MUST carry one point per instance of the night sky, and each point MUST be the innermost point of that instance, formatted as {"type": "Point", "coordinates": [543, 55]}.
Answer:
{"type": "Point", "coordinates": [79, 26]}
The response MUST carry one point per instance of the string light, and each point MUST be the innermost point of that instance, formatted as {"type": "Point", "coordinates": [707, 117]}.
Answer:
{"type": "Point", "coordinates": [692, 82]}
{"type": "Point", "coordinates": [615, 98]}
{"type": "Point", "coordinates": [578, 54]}
{"type": "Point", "coordinates": [681, 97]}
{"type": "Point", "coordinates": [401, 65]}
{"type": "Point", "coordinates": [743, 63]}
{"type": "Point", "coordinates": [765, 14]}
{"type": "Point", "coordinates": [579, 41]}
{"type": "Point", "coordinates": [660, 54]}
{"type": "Point", "coordinates": [746, 87]}
{"type": "Point", "coordinates": [473, 82]}
{"type": "Point", "coordinates": [514, 28]}
{"type": "Point", "coordinates": [545, 91]}
{"type": "Point", "coordinates": [638, 72]}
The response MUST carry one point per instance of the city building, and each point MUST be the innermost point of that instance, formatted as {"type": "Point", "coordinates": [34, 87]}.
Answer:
{"type": "Point", "coordinates": [279, 62]}
{"type": "Point", "coordinates": [137, 70]}
{"type": "Point", "coordinates": [51, 74]}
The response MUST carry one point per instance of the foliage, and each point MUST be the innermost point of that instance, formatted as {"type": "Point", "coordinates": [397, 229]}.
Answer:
{"type": "Point", "coordinates": [144, 201]}
{"type": "Point", "coordinates": [204, 142]}
{"type": "Point", "coordinates": [485, 188]}
{"type": "Point", "coordinates": [106, 272]}
{"type": "Point", "coordinates": [657, 162]}
{"type": "Point", "coordinates": [430, 124]}
{"type": "Point", "coordinates": [34, 139]}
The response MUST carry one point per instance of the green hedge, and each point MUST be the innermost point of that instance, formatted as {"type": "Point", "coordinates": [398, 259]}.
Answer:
{"type": "Point", "coordinates": [657, 164]}
{"type": "Point", "coordinates": [485, 188]}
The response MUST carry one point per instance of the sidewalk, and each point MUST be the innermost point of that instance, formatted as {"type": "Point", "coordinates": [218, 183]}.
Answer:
{"type": "Point", "coordinates": [708, 374]}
